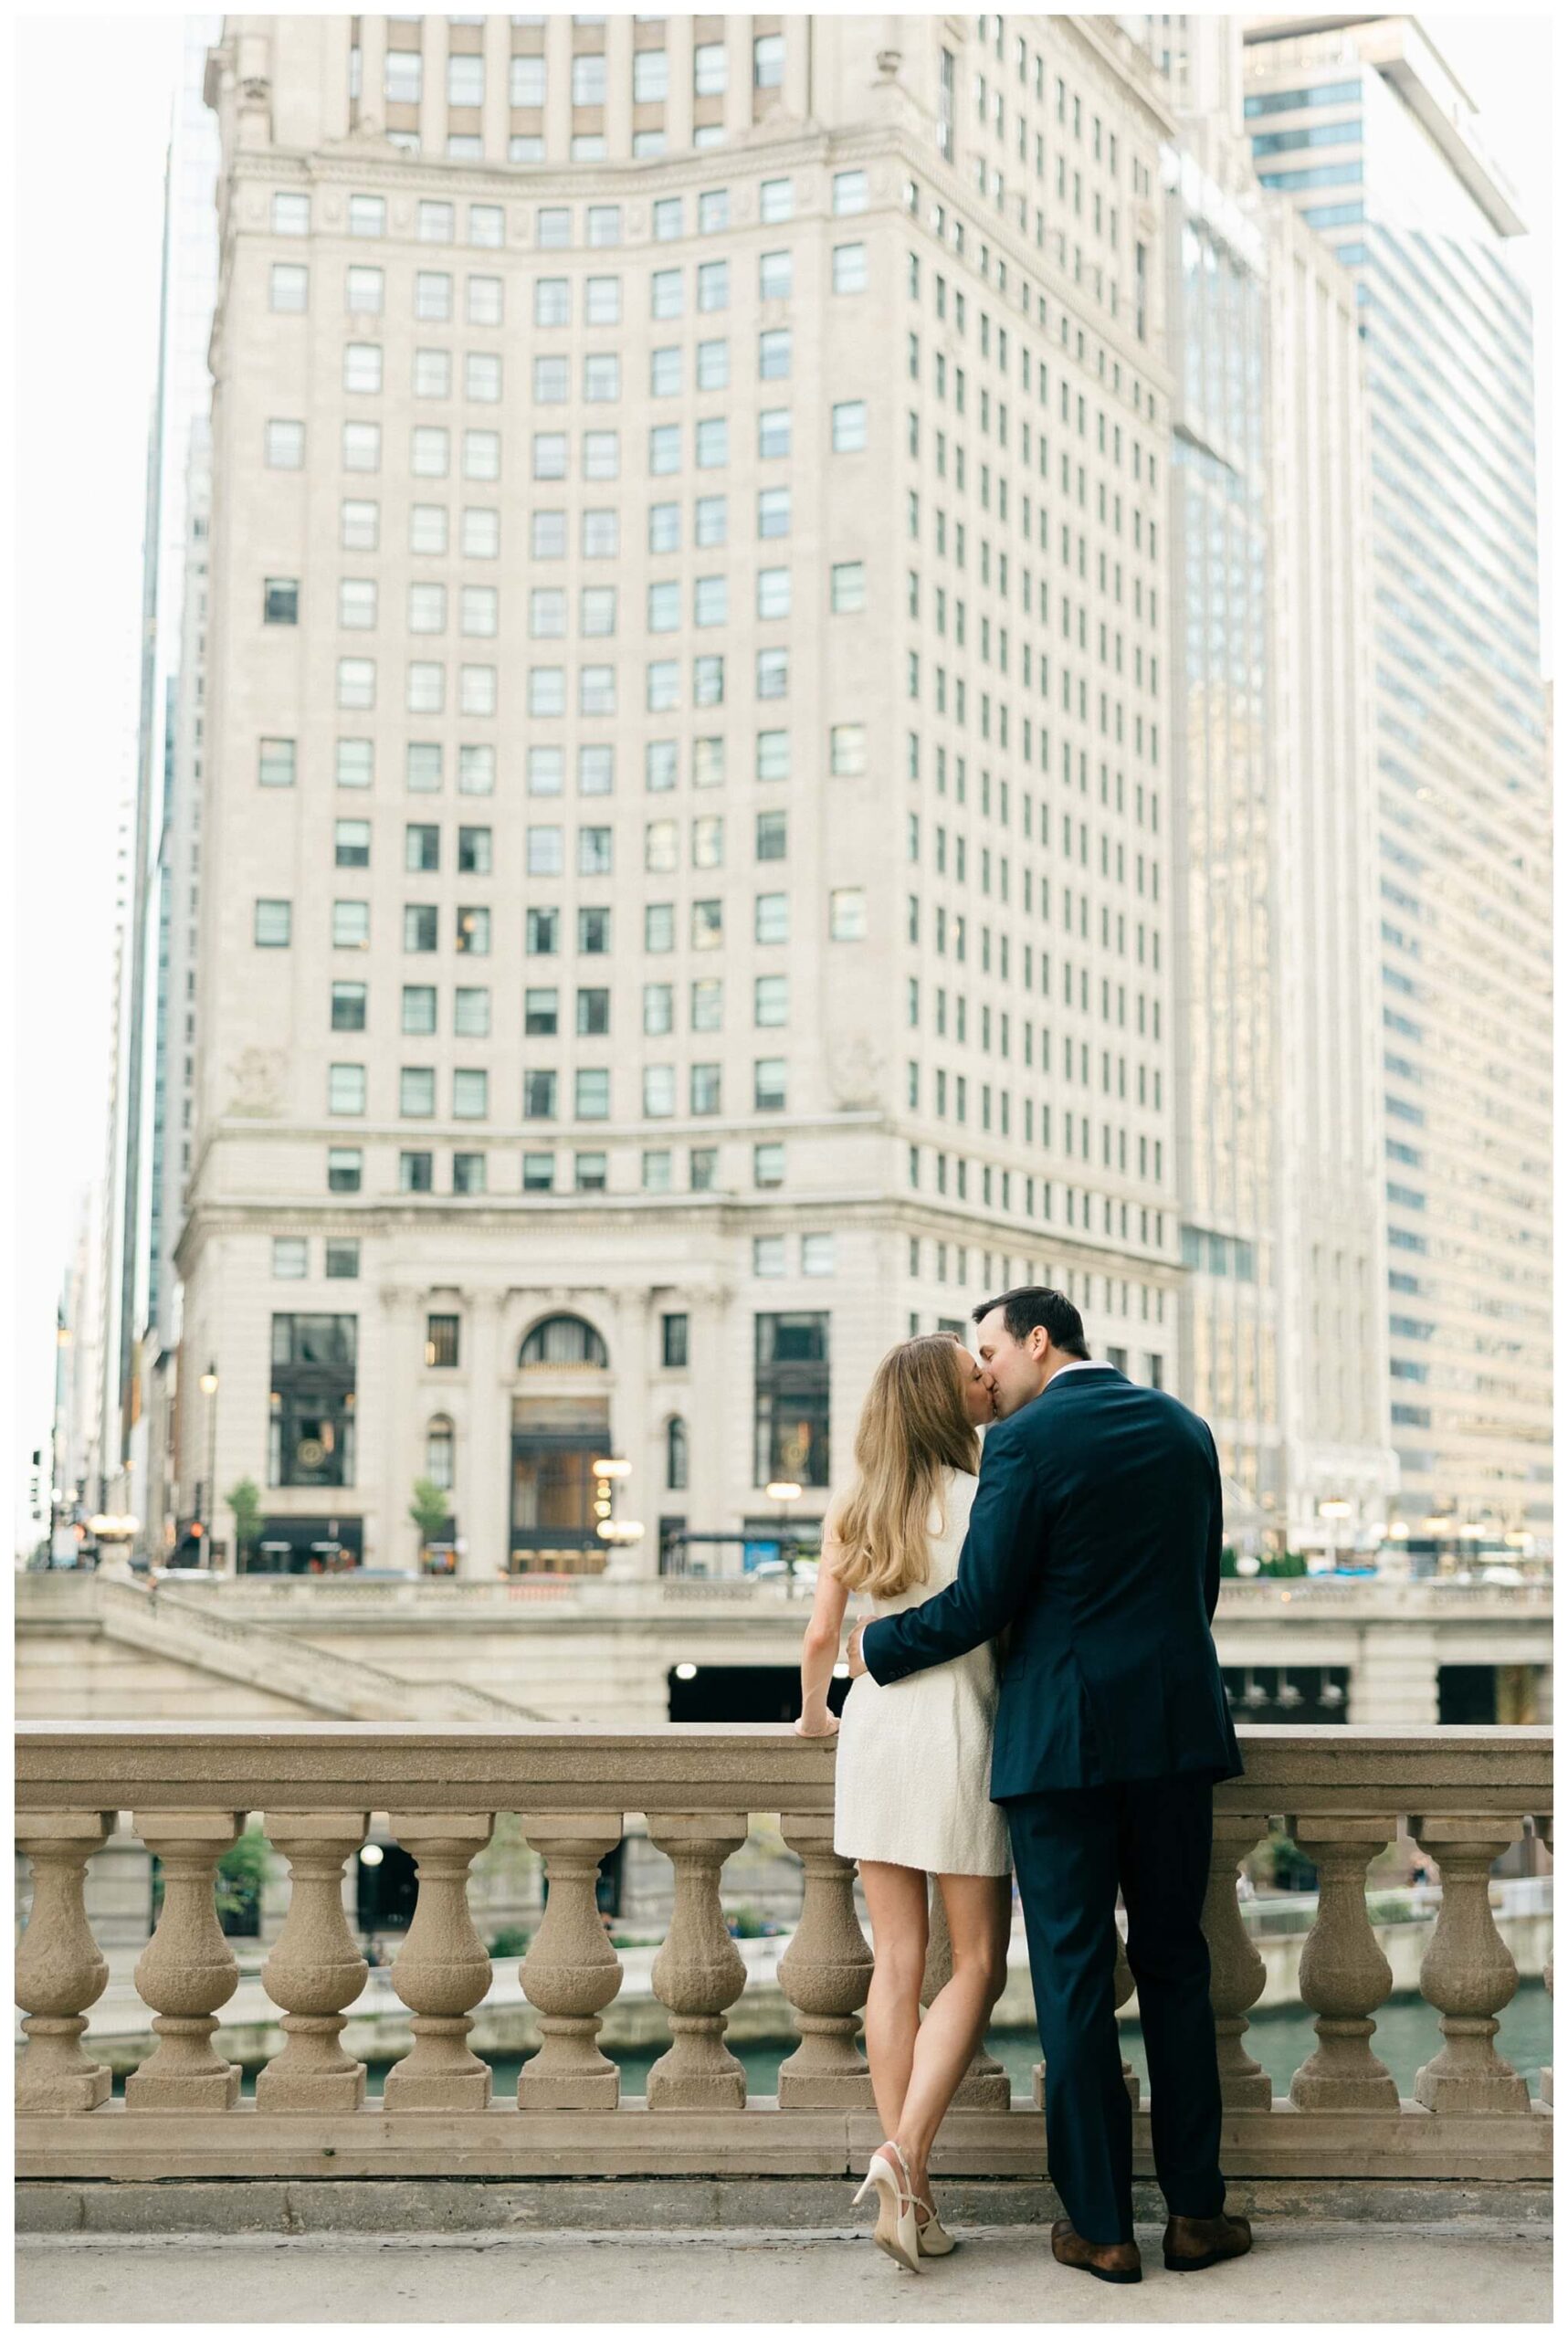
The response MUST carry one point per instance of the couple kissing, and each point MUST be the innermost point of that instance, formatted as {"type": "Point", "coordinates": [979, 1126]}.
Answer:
{"type": "Point", "coordinates": [1084, 1757]}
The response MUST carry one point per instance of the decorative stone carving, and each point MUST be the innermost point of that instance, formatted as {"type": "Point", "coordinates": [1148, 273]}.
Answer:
{"type": "Point", "coordinates": [315, 1970]}
{"type": "Point", "coordinates": [1466, 1972]}
{"type": "Point", "coordinates": [59, 1968]}
{"type": "Point", "coordinates": [1236, 1969]}
{"type": "Point", "coordinates": [442, 1970]}
{"type": "Point", "coordinates": [699, 1972]}
{"type": "Point", "coordinates": [825, 1973]}
{"type": "Point", "coordinates": [571, 1971]}
{"type": "Point", "coordinates": [187, 1969]}
{"type": "Point", "coordinates": [1345, 1976]}
{"type": "Point", "coordinates": [985, 2085]}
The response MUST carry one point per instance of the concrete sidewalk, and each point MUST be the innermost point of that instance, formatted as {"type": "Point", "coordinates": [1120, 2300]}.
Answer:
{"type": "Point", "coordinates": [1442, 2273]}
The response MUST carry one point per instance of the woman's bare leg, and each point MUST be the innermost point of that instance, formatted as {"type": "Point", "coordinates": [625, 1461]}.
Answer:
{"type": "Point", "coordinates": [979, 1919]}
{"type": "Point", "coordinates": [896, 1902]}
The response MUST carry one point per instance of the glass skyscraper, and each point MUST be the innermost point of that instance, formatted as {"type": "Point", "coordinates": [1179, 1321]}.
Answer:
{"type": "Point", "coordinates": [1360, 124]}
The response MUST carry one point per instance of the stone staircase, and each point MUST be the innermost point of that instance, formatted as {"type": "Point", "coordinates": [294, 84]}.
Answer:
{"type": "Point", "coordinates": [182, 1630]}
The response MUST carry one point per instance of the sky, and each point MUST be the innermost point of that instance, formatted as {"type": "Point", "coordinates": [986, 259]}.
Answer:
{"type": "Point", "coordinates": [85, 320]}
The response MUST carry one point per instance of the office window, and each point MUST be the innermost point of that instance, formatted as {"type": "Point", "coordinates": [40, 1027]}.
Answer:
{"type": "Point", "coordinates": [773, 511]}
{"type": "Point", "coordinates": [774, 354]}
{"type": "Point", "coordinates": [423, 768]}
{"type": "Point", "coordinates": [707, 1088]}
{"type": "Point", "coordinates": [773, 916]}
{"type": "Point", "coordinates": [657, 1091]}
{"type": "Point", "coordinates": [663, 685]}
{"type": "Point", "coordinates": [539, 1095]}
{"type": "Point", "coordinates": [767, 1255]}
{"type": "Point", "coordinates": [342, 1259]}
{"type": "Point", "coordinates": [290, 215]}
{"type": "Point", "coordinates": [544, 932]}
{"type": "Point", "coordinates": [472, 938]}
{"type": "Point", "coordinates": [538, 1173]}
{"type": "Point", "coordinates": [483, 300]}
{"type": "Point", "coordinates": [711, 526]}
{"type": "Point", "coordinates": [708, 682]}
{"type": "Point", "coordinates": [767, 61]}
{"type": "Point", "coordinates": [473, 852]}
{"type": "Point", "coordinates": [849, 587]}
{"type": "Point", "coordinates": [772, 593]}
{"type": "Point", "coordinates": [595, 770]}
{"type": "Point", "coordinates": [359, 525]}
{"type": "Point", "coordinates": [415, 1172]}
{"type": "Point", "coordinates": [419, 1010]}
{"type": "Point", "coordinates": [849, 269]}
{"type": "Point", "coordinates": [291, 290]}
{"type": "Point", "coordinates": [711, 600]}
{"type": "Point", "coordinates": [355, 763]}
{"type": "Point", "coordinates": [280, 601]}
{"type": "Point", "coordinates": [777, 200]}
{"type": "Point", "coordinates": [847, 915]}
{"type": "Point", "coordinates": [525, 85]}
{"type": "Point", "coordinates": [849, 428]}
{"type": "Point", "coordinates": [771, 1084]}
{"type": "Point", "coordinates": [668, 220]}
{"type": "Point", "coordinates": [487, 226]}
{"type": "Point", "coordinates": [465, 80]}
{"type": "Point", "coordinates": [482, 377]}
{"type": "Point", "coordinates": [274, 924]}
{"type": "Point", "coordinates": [601, 535]}
{"type": "Point", "coordinates": [667, 293]}
{"type": "Point", "coordinates": [367, 214]}
{"type": "Point", "coordinates": [405, 81]}
{"type": "Point", "coordinates": [427, 687]}
{"type": "Point", "coordinates": [773, 673]}
{"type": "Point", "coordinates": [658, 927]}
{"type": "Point", "coordinates": [849, 192]}
{"type": "Point", "coordinates": [664, 450]}
{"type": "Point", "coordinates": [351, 844]}
{"type": "Point", "coordinates": [791, 1395]}
{"type": "Point", "coordinates": [345, 1088]}
{"type": "Point", "coordinates": [594, 851]}
{"type": "Point", "coordinates": [601, 379]}
{"type": "Point", "coordinates": [846, 746]}
{"type": "Point", "coordinates": [712, 364]}
{"type": "Point", "coordinates": [416, 1093]}
{"type": "Point", "coordinates": [476, 770]}
{"type": "Point", "coordinates": [419, 926]}
{"type": "Point", "coordinates": [773, 431]}
{"type": "Point", "coordinates": [707, 762]}
{"type": "Point", "coordinates": [348, 1012]}
{"type": "Point", "coordinates": [478, 611]}
{"type": "Point", "coordinates": [708, 842]}
{"type": "Point", "coordinates": [552, 381]}
{"type": "Point", "coordinates": [597, 689]}
{"type": "Point", "coordinates": [707, 925]}
{"type": "Point", "coordinates": [346, 1168]}
{"type": "Point", "coordinates": [712, 443]}
{"type": "Point", "coordinates": [773, 755]}
{"type": "Point", "coordinates": [481, 454]}
{"type": "Point", "coordinates": [818, 1254]}
{"type": "Point", "coordinates": [470, 1095]}
{"type": "Point", "coordinates": [775, 275]}
{"type": "Point", "coordinates": [356, 683]}
{"type": "Point", "coordinates": [712, 286]}
{"type": "Point", "coordinates": [593, 1095]}
{"type": "Point", "coordinates": [709, 69]}
{"type": "Point", "coordinates": [650, 76]}
{"type": "Point", "coordinates": [770, 1001]}
{"type": "Point", "coordinates": [351, 925]}
{"type": "Point", "coordinates": [441, 1345]}
{"type": "Point", "coordinates": [276, 763]}
{"type": "Point", "coordinates": [601, 454]}
{"type": "Point", "coordinates": [767, 1165]}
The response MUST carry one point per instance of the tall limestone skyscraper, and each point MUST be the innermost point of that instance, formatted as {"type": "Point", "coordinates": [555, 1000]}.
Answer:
{"type": "Point", "coordinates": [686, 857]}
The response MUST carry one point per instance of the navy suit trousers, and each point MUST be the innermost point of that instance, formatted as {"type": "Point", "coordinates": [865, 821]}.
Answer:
{"type": "Point", "coordinates": [1073, 1848]}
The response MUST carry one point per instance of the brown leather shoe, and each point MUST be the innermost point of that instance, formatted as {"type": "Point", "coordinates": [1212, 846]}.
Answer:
{"type": "Point", "coordinates": [1194, 2242]}
{"type": "Point", "coordinates": [1114, 2260]}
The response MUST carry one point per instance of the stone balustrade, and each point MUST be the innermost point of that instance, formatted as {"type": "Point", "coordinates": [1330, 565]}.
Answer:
{"type": "Point", "coordinates": [1340, 1793]}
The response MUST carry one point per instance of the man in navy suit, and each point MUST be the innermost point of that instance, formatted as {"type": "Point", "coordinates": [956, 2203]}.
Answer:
{"type": "Point", "coordinates": [1094, 1535]}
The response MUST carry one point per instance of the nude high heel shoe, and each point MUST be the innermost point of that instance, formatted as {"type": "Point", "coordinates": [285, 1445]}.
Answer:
{"type": "Point", "coordinates": [898, 2228]}
{"type": "Point", "coordinates": [934, 2240]}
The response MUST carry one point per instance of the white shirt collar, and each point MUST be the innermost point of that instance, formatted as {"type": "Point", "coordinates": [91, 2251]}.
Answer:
{"type": "Point", "coordinates": [1083, 1363]}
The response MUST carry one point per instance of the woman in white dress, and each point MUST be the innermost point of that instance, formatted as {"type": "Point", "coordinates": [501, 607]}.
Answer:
{"type": "Point", "coordinates": [913, 1766]}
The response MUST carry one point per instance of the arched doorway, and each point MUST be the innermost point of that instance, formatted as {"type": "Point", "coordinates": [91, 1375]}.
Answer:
{"type": "Point", "coordinates": [560, 1428]}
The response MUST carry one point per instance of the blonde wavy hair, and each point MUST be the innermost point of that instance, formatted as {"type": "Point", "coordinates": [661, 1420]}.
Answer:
{"type": "Point", "coordinates": [913, 1425]}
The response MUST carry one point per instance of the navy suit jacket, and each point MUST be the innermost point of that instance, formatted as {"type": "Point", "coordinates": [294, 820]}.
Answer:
{"type": "Point", "coordinates": [1094, 1534]}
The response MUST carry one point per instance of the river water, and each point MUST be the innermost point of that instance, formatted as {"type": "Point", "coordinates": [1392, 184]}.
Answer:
{"type": "Point", "coordinates": [1280, 2040]}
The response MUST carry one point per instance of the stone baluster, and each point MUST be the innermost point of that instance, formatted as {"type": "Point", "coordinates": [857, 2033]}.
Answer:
{"type": "Point", "coordinates": [1345, 1976]}
{"type": "Point", "coordinates": [59, 1969]}
{"type": "Point", "coordinates": [1236, 1969]}
{"type": "Point", "coordinates": [314, 1971]}
{"type": "Point", "coordinates": [187, 1969]}
{"type": "Point", "coordinates": [984, 2085]}
{"type": "Point", "coordinates": [699, 1972]}
{"type": "Point", "coordinates": [571, 1971]}
{"type": "Point", "coordinates": [825, 1973]}
{"type": "Point", "coordinates": [442, 1970]}
{"type": "Point", "coordinates": [1466, 1972]}
{"type": "Point", "coordinates": [1129, 2078]}
{"type": "Point", "coordinates": [1545, 1827]}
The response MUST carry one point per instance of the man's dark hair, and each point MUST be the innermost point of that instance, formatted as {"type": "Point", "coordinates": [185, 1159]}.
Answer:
{"type": "Point", "coordinates": [1032, 1303]}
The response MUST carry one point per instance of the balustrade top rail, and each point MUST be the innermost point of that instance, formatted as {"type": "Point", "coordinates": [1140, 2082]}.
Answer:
{"type": "Point", "coordinates": [692, 1765]}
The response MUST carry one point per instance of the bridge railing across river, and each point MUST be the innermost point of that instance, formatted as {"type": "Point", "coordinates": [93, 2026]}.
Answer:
{"type": "Point", "coordinates": [1340, 1793]}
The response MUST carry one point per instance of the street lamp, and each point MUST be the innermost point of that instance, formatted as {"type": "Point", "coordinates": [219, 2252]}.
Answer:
{"type": "Point", "coordinates": [209, 1390]}
{"type": "Point", "coordinates": [783, 1490]}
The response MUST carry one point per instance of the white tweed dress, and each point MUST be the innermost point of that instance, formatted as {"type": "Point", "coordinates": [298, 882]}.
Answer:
{"type": "Point", "coordinates": [914, 1758]}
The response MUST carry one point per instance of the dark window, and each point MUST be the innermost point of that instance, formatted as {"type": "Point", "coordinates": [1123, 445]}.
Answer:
{"type": "Point", "coordinates": [342, 1261]}
{"type": "Point", "coordinates": [593, 1014]}
{"type": "Point", "coordinates": [594, 933]}
{"type": "Point", "coordinates": [468, 1173]}
{"type": "Point", "coordinates": [312, 1424]}
{"type": "Point", "coordinates": [544, 932]}
{"type": "Point", "coordinates": [345, 1167]}
{"type": "Point", "coordinates": [440, 1339]}
{"type": "Point", "coordinates": [422, 846]}
{"type": "Point", "coordinates": [791, 1399]}
{"type": "Point", "coordinates": [348, 1006]}
{"type": "Point", "coordinates": [677, 1340]}
{"type": "Point", "coordinates": [541, 1014]}
{"type": "Point", "coordinates": [675, 1456]}
{"type": "Point", "coordinates": [280, 601]}
{"type": "Point", "coordinates": [539, 1095]}
{"type": "Point", "coordinates": [474, 852]}
{"type": "Point", "coordinates": [564, 1339]}
{"type": "Point", "coordinates": [419, 926]}
{"type": "Point", "coordinates": [415, 1172]}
